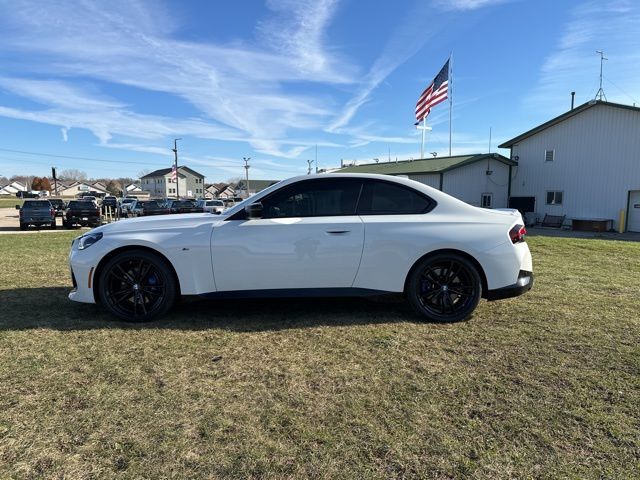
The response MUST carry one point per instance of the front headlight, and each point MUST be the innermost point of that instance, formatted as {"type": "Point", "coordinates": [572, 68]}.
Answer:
{"type": "Point", "coordinates": [85, 241]}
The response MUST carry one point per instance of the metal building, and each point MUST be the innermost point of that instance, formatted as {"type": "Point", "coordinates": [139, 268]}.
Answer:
{"type": "Point", "coordinates": [583, 165]}
{"type": "Point", "coordinates": [480, 179]}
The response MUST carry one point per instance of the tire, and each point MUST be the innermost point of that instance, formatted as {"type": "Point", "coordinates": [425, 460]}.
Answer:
{"type": "Point", "coordinates": [23, 226]}
{"type": "Point", "coordinates": [137, 286]}
{"type": "Point", "coordinates": [53, 225]}
{"type": "Point", "coordinates": [444, 288]}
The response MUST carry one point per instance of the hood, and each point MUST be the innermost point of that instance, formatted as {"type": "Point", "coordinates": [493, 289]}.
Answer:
{"type": "Point", "coordinates": [161, 222]}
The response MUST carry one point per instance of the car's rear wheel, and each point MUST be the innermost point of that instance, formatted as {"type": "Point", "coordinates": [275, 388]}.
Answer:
{"type": "Point", "coordinates": [444, 288]}
{"type": "Point", "coordinates": [137, 286]}
{"type": "Point", "coordinates": [23, 226]}
{"type": "Point", "coordinates": [53, 225]}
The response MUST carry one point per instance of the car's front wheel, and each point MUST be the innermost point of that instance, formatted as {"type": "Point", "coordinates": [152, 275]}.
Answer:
{"type": "Point", "coordinates": [137, 286]}
{"type": "Point", "coordinates": [444, 288]}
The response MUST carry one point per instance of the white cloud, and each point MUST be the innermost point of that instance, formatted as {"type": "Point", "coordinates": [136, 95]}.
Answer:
{"type": "Point", "coordinates": [238, 89]}
{"type": "Point", "coordinates": [467, 4]}
{"type": "Point", "coordinates": [65, 134]}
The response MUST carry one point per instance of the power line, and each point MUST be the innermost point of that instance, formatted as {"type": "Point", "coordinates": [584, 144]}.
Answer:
{"type": "Point", "coordinates": [130, 162]}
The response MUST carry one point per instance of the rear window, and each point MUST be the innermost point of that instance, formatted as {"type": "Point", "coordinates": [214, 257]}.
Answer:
{"type": "Point", "coordinates": [151, 204]}
{"type": "Point", "coordinates": [385, 198]}
{"type": "Point", "coordinates": [37, 204]}
{"type": "Point", "coordinates": [80, 204]}
{"type": "Point", "coordinates": [215, 203]}
{"type": "Point", "coordinates": [182, 204]}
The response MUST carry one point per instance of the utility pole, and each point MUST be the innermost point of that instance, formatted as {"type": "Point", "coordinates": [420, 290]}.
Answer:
{"type": "Point", "coordinates": [247, 167]}
{"type": "Point", "coordinates": [310, 162]}
{"type": "Point", "coordinates": [600, 94]}
{"type": "Point", "coordinates": [175, 154]}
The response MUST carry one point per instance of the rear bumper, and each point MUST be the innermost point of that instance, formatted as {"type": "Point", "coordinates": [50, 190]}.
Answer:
{"type": "Point", "coordinates": [522, 285]}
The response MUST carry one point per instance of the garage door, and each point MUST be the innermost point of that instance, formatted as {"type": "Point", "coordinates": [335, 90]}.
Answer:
{"type": "Point", "coordinates": [633, 223]}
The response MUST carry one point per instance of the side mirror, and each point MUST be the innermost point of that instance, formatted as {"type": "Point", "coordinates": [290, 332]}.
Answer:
{"type": "Point", "coordinates": [17, 207]}
{"type": "Point", "coordinates": [254, 210]}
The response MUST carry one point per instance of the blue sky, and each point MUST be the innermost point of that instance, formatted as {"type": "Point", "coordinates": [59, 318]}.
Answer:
{"type": "Point", "coordinates": [115, 81]}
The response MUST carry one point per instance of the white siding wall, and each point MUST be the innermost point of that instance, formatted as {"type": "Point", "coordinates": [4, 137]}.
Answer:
{"type": "Point", "coordinates": [431, 179]}
{"type": "Point", "coordinates": [468, 183]}
{"type": "Point", "coordinates": [597, 162]}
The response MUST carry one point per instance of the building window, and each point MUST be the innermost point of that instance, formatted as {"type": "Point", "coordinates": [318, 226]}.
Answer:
{"type": "Point", "coordinates": [554, 198]}
{"type": "Point", "coordinates": [486, 200]}
{"type": "Point", "coordinates": [549, 155]}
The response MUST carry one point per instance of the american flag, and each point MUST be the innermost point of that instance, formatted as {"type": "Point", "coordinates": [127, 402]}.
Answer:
{"type": "Point", "coordinates": [435, 93]}
{"type": "Point", "coordinates": [174, 174]}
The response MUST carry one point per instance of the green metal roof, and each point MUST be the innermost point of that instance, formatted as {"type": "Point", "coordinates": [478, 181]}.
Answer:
{"type": "Point", "coordinates": [256, 185]}
{"type": "Point", "coordinates": [425, 165]}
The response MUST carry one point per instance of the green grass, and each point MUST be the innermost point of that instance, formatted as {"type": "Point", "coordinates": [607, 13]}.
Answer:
{"type": "Point", "coordinates": [542, 386]}
{"type": "Point", "coordinates": [10, 202]}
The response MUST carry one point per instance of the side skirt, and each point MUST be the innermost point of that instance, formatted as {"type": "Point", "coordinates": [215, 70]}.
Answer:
{"type": "Point", "coordinates": [298, 293]}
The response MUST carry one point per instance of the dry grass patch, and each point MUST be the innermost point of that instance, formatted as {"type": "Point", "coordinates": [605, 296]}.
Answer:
{"type": "Point", "coordinates": [546, 385]}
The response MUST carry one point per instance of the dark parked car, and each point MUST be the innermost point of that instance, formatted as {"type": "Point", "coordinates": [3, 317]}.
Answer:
{"type": "Point", "coordinates": [81, 212]}
{"type": "Point", "coordinates": [183, 206]}
{"type": "Point", "coordinates": [22, 194]}
{"type": "Point", "coordinates": [58, 205]}
{"type": "Point", "coordinates": [37, 213]}
{"type": "Point", "coordinates": [149, 207]}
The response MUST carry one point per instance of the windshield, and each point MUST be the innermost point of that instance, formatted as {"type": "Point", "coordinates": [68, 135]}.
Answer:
{"type": "Point", "coordinates": [182, 203]}
{"type": "Point", "coordinates": [128, 200]}
{"type": "Point", "coordinates": [215, 203]}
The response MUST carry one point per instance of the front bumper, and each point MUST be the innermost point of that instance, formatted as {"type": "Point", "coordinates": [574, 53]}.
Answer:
{"type": "Point", "coordinates": [522, 285]}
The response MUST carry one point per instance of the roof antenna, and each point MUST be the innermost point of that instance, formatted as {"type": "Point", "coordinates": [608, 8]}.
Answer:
{"type": "Point", "coordinates": [600, 93]}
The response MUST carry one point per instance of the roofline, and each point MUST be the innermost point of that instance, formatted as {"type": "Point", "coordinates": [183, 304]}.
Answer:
{"type": "Point", "coordinates": [474, 157]}
{"type": "Point", "coordinates": [561, 118]}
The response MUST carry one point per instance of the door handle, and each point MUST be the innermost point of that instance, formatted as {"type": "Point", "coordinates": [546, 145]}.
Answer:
{"type": "Point", "coordinates": [337, 232]}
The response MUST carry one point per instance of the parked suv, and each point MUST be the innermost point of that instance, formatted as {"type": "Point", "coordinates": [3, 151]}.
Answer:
{"type": "Point", "coordinates": [37, 213]}
{"type": "Point", "coordinates": [211, 206]}
{"type": "Point", "coordinates": [183, 206]}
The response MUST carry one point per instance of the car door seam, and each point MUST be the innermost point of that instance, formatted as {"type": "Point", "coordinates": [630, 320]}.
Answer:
{"type": "Point", "coordinates": [364, 239]}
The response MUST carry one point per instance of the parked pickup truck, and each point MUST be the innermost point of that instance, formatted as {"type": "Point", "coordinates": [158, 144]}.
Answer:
{"type": "Point", "coordinates": [81, 212]}
{"type": "Point", "coordinates": [37, 213]}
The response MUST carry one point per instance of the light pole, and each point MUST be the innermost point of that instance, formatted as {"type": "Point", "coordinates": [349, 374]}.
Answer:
{"type": "Point", "coordinates": [175, 153]}
{"type": "Point", "coordinates": [246, 168]}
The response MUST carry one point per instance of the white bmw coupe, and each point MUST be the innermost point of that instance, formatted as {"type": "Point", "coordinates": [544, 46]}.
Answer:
{"type": "Point", "coordinates": [320, 235]}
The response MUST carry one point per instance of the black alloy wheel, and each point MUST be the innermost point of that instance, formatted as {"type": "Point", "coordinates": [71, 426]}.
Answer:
{"type": "Point", "coordinates": [137, 286]}
{"type": "Point", "coordinates": [444, 288]}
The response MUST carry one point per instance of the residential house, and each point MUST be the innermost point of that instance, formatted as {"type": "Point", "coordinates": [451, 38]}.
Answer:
{"type": "Point", "coordinates": [189, 184]}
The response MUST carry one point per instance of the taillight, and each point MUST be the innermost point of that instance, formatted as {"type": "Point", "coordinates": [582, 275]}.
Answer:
{"type": "Point", "coordinates": [518, 233]}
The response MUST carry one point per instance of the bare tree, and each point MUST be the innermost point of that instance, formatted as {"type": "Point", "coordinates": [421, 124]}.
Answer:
{"type": "Point", "coordinates": [144, 172]}
{"type": "Point", "coordinates": [73, 174]}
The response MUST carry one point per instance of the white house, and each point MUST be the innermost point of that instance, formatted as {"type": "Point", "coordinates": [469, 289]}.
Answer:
{"type": "Point", "coordinates": [583, 165]}
{"type": "Point", "coordinates": [12, 189]}
{"type": "Point", "coordinates": [480, 179]}
{"type": "Point", "coordinates": [76, 188]}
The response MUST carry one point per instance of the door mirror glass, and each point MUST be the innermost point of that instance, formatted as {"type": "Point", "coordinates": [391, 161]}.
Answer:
{"type": "Point", "coordinates": [254, 210]}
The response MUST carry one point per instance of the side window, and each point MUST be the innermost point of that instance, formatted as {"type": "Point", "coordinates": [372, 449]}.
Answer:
{"type": "Point", "coordinates": [386, 198]}
{"type": "Point", "coordinates": [314, 198]}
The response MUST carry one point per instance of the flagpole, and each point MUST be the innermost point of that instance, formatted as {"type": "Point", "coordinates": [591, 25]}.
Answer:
{"type": "Point", "coordinates": [450, 95]}
{"type": "Point", "coordinates": [424, 128]}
